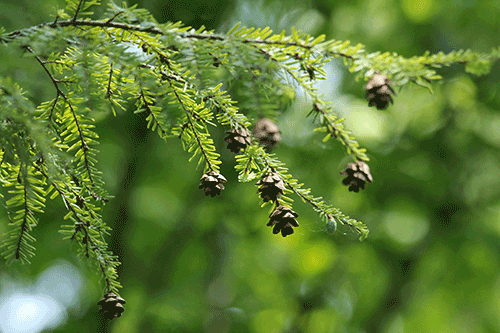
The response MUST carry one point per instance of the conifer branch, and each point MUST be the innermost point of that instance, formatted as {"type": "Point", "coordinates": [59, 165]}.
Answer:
{"type": "Point", "coordinates": [153, 30]}
{"type": "Point", "coordinates": [53, 108]}
{"type": "Point", "coordinates": [52, 78]}
{"type": "Point", "coordinates": [412, 69]}
{"type": "Point", "coordinates": [150, 112]}
{"type": "Point", "coordinates": [98, 60]}
{"type": "Point", "coordinates": [326, 211]}
{"type": "Point", "coordinates": [84, 145]}
{"type": "Point", "coordinates": [228, 113]}
{"type": "Point", "coordinates": [67, 204]}
{"type": "Point", "coordinates": [83, 225]}
{"type": "Point", "coordinates": [3, 156]}
{"type": "Point", "coordinates": [109, 92]}
{"type": "Point", "coordinates": [337, 130]}
{"type": "Point", "coordinates": [193, 129]}
{"type": "Point", "coordinates": [24, 225]}
{"type": "Point", "coordinates": [334, 127]}
{"type": "Point", "coordinates": [25, 200]}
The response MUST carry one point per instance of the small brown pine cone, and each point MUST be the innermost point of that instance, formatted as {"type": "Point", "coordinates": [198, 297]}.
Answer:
{"type": "Point", "coordinates": [358, 173]}
{"type": "Point", "coordinates": [378, 91]}
{"type": "Point", "coordinates": [211, 183]}
{"type": "Point", "coordinates": [238, 139]}
{"type": "Point", "coordinates": [271, 186]}
{"type": "Point", "coordinates": [267, 133]}
{"type": "Point", "coordinates": [283, 219]}
{"type": "Point", "coordinates": [111, 306]}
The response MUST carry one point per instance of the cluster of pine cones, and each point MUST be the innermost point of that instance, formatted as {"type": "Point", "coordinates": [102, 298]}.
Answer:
{"type": "Point", "coordinates": [268, 134]}
{"type": "Point", "coordinates": [271, 185]}
{"type": "Point", "coordinates": [282, 218]}
{"type": "Point", "coordinates": [266, 131]}
{"type": "Point", "coordinates": [378, 93]}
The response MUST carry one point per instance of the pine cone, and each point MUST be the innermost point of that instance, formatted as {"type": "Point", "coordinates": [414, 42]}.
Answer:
{"type": "Point", "coordinates": [238, 139]}
{"type": "Point", "coordinates": [378, 91]}
{"type": "Point", "coordinates": [271, 186]}
{"type": "Point", "coordinates": [358, 173]}
{"type": "Point", "coordinates": [211, 182]}
{"type": "Point", "coordinates": [111, 306]}
{"type": "Point", "coordinates": [283, 219]}
{"type": "Point", "coordinates": [267, 133]}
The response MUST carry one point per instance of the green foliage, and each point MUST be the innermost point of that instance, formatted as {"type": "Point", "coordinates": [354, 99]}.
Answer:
{"type": "Point", "coordinates": [187, 82]}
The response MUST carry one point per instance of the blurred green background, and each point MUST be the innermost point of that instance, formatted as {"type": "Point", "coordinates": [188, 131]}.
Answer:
{"type": "Point", "coordinates": [198, 264]}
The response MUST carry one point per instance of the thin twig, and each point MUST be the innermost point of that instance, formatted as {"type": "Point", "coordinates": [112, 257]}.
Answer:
{"type": "Point", "coordinates": [55, 21]}
{"type": "Point", "coordinates": [115, 16]}
{"type": "Point", "coordinates": [109, 92]}
{"type": "Point", "coordinates": [202, 149]}
{"type": "Point", "coordinates": [24, 225]}
{"type": "Point", "coordinates": [77, 10]}
{"type": "Point", "coordinates": [148, 109]}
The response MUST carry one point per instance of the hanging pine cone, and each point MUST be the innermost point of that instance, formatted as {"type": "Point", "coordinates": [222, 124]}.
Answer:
{"type": "Point", "coordinates": [358, 173]}
{"type": "Point", "coordinates": [111, 306]}
{"type": "Point", "coordinates": [267, 133]}
{"type": "Point", "coordinates": [237, 139]}
{"type": "Point", "coordinates": [271, 186]}
{"type": "Point", "coordinates": [283, 219]}
{"type": "Point", "coordinates": [211, 182]}
{"type": "Point", "coordinates": [378, 91]}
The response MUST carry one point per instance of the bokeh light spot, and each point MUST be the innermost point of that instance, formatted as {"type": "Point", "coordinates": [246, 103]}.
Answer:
{"type": "Point", "coordinates": [313, 259]}
{"type": "Point", "coordinates": [420, 11]}
{"type": "Point", "coordinates": [405, 223]}
{"type": "Point", "coordinates": [268, 321]}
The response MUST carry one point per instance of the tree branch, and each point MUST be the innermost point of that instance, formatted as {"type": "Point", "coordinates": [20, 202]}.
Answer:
{"type": "Point", "coordinates": [84, 145]}
{"type": "Point", "coordinates": [24, 225]}
{"type": "Point", "coordinates": [89, 242]}
{"type": "Point", "coordinates": [148, 109]}
{"type": "Point", "coordinates": [128, 27]}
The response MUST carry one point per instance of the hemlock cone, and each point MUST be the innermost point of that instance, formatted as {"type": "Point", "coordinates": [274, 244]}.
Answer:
{"type": "Point", "coordinates": [378, 91]}
{"type": "Point", "coordinates": [111, 306]}
{"type": "Point", "coordinates": [271, 186]}
{"type": "Point", "coordinates": [267, 133]}
{"type": "Point", "coordinates": [283, 219]}
{"type": "Point", "coordinates": [358, 173]}
{"type": "Point", "coordinates": [238, 139]}
{"type": "Point", "coordinates": [211, 182]}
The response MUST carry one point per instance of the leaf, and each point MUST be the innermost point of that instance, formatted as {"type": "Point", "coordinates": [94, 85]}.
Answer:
{"type": "Point", "coordinates": [233, 29]}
